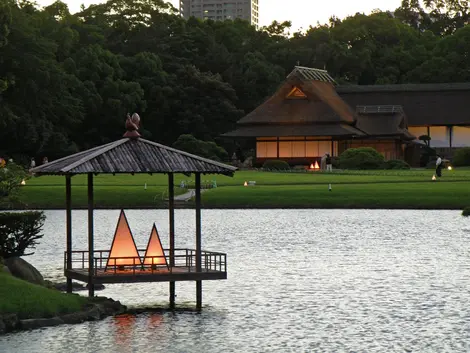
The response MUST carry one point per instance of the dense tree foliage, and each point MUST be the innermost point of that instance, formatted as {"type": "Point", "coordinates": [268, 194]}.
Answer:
{"type": "Point", "coordinates": [67, 81]}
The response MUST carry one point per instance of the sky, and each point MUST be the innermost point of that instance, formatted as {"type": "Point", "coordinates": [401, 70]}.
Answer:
{"type": "Point", "coordinates": [302, 13]}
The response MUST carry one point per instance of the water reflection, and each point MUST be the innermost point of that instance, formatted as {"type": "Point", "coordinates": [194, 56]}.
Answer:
{"type": "Point", "coordinates": [358, 281]}
{"type": "Point", "coordinates": [123, 329]}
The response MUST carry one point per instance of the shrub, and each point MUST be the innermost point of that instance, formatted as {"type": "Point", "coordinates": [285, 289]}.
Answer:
{"type": "Point", "coordinates": [335, 162]}
{"type": "Point", "coordinates": [396, 164]}
{"type": "Point", "coordinates": [466, 212]}
{"type": "Point", "coordinates": [462, 157]}
{"type": "Point", "coordinates": [19, 231]}
{"type": "Point", "coordinates": [11, 177]}
{"type": "Point", "coordinates": [276, 164]}
{"type": "Point", "coordinates": [361, 158]}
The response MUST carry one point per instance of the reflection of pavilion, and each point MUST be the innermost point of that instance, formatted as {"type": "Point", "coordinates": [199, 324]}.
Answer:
{"type": "Point", "coordinates": [132, 154]}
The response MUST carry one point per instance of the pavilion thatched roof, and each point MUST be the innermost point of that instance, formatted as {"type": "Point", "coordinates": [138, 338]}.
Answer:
{"type": "Point", "coordinates": [133, 155]}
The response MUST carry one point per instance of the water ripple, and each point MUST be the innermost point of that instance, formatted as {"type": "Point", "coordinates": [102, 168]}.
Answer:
{"type": "Point", "coordinates": [299, 281]}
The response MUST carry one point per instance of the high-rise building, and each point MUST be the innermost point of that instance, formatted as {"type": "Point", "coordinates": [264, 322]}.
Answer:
{"type": "Point", "coordinates": [220, 10]}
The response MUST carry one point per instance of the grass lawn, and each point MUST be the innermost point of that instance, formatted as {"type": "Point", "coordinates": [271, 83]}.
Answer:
{"type": "Point", "coordinates": [370, 189]}
{"type": "Point", "coordinates": [28, 300]}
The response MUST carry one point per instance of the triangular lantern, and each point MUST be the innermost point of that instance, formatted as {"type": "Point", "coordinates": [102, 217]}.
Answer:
{"type": "Point", "coordinates": [123, 246]}
{"type": "Point", "coordinates": [154, 255]}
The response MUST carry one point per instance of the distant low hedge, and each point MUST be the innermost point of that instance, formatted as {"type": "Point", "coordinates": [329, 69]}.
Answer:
{"type": "Point", "coordinates": [462, 157]}
{"type": "Point", "coordinates": [276, 164]}
{"type": "Point", "coordinates": [396, 164]}
{"type": "Point", "coordinates": [361, 158]}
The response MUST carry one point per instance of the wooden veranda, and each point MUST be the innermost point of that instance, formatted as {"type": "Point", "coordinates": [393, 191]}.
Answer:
{"type": "Point", "coordinates": [131, 155]}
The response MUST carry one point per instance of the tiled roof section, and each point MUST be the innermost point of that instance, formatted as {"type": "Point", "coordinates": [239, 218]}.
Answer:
{"type": "Point", "coordinates": [296, 130]}
{"type": "Point", "coordinates": [310, 74]}
{"type": "Point", "coordinates": [133, 156]}
{"type": "Point", "coordinates": [434, 104]}
{"type": "Point", "coordinates": [383, 120]}
{"type": "Point", "coordinates": [379, 109]}
{"type": "Point", "coordinates": [409, 87]}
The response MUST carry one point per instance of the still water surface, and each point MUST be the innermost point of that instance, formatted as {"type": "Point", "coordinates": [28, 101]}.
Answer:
{"type": "Point", "coordinates": [299, 281]}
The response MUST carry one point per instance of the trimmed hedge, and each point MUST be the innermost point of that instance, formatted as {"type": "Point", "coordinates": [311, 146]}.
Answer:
{"type": "Point", "coordinates": [276, 164]}
{"type": "Point", "coordinates": [396, 164]}
{"type": "Point", "coordinates": [466, 212]}
{"type": "Point", "coordinates": [462, 157]}
{"type": "Point", "coordinates": [363, 158]}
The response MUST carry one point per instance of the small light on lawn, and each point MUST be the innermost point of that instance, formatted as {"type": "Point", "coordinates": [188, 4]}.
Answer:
{"type": "Point", "coordinates": [145, 186]}
{"type": "Point", "coordinates": [246, 184]}
{"type": "Point", "coordinates": [433, 177]}
{"type": "Point", "coordinates": [23, 182]}
{"type": "Point", "coordinates": [449, 167]}
{"type": "Point", "coordinates": [329, 187]}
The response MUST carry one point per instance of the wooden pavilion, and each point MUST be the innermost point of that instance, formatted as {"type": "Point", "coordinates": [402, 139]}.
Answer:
{"type": "Point", "coordinates": [131, 155]}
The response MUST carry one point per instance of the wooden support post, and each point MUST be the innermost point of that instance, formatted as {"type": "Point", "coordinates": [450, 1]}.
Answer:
{"type": "Point", "coordinates": [198, 241]}
{"type": "Point", "coordinates": [171, 210]}
{"type": "Point", "coordinates": [68, 216]}
{"type": "Point", "coordinates": [91, 286]}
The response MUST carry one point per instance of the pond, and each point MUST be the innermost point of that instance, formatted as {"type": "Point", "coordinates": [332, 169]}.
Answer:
{"type": "Point", "coordinates": [298, 280]}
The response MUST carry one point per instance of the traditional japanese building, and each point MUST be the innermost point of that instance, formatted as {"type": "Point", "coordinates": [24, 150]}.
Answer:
{"type": "Point", "coordinates": [311, 115]}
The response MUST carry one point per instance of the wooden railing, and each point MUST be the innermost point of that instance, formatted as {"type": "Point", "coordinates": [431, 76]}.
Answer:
{"type": "Point", "coordinates": [183, 259]}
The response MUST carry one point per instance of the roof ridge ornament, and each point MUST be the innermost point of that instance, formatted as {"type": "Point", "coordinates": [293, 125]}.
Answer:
{"type": "Point", "coordinates": [132, 126]}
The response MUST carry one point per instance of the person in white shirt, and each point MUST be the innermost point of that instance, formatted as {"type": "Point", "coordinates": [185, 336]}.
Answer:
{"type": "Point", "coordinates": [439, 166]}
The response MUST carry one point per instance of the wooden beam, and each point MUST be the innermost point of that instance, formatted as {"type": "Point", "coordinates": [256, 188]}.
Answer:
{"type": "Point", "coordinates": [68, 216]}
{"type": "Point", "coordinates": [198, 241]}
{"type": "Point", "coordinates": [91, 286]}
{"type": "Point", "coordinates": [171, 211]}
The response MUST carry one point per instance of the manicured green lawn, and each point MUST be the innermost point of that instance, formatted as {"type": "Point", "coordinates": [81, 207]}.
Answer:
{"type": "Point", "coordinates": [28, 300]}
{"type": "Point", "coordinates": [373, 189]}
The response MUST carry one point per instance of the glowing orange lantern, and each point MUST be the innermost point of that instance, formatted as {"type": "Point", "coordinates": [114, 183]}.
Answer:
{"type": "Point", "coordinates": [123, 249]}
{"type": "Point", "coordinates": [154, 255]}
{"type": "Point", "coordinates": [314, 166]}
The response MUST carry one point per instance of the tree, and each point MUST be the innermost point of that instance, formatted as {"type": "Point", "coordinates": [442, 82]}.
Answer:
{"type": "Point", "coordinates": [19, 231]}
{"type": "Point", "coordinates": [205, 149]}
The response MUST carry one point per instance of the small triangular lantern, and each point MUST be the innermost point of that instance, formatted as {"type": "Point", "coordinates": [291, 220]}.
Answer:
{"type": "Point", "coordinates": [154, 255]}
{"type": "Point", "coordinates": [123, 249]}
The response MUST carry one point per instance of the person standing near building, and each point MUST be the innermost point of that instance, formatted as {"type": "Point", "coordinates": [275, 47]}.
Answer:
{"type": "Point", "coordinates": [439, 166]}
{"type": "Point", "coordinates": [329, 165]}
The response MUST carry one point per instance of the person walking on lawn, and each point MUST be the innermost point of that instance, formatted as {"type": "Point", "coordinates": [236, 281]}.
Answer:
{"type": "Point", "coordinates": [439, 166]}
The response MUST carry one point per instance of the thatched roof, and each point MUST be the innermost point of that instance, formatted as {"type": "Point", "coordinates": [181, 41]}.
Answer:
{"type": "Point", "coordinates": [424, 104]}
{"type": "Point", "coordinates": [338, 130]}
{"type": "Point", "coordinates": [320, 105]}
{"type": "Point", "coordinates": [133, 155]}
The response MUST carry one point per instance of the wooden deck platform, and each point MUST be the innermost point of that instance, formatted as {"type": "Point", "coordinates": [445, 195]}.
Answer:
{"type": "Point", "coordinates": [130, 276]}
{"type": "Point", "coordinates": [213, 267]}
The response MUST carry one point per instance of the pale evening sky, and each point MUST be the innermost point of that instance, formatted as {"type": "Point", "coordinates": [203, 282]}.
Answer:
{"type": "Point", "coordinates": [302, 13]}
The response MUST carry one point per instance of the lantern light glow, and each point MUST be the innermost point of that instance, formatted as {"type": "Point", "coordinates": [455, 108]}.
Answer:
{"type": "Point", "coordinates": [123, 249]}
{"type": "Point", "coordinates": [154, 255]}
{"type": "Point", "coordinates": [314, 166]}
